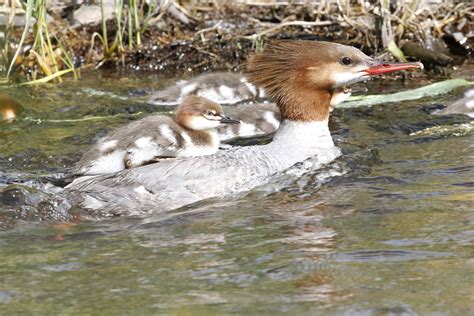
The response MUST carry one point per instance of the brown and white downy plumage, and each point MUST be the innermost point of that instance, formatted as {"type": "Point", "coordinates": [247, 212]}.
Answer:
{"type": "Point", "coordinates": [192, 132]}
{"type": "Point", "coordinates": [255, 119]}
{"type": "Point", "coordinates": [227, 88]}
{"type": "Point", "coordinates": [303, 78]}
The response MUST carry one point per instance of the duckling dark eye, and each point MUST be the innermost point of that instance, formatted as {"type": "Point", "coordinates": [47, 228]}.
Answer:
{"type": "Point", "coordinates": [210, 113]}
{"type": "Point", "coordinates": [347, 61]}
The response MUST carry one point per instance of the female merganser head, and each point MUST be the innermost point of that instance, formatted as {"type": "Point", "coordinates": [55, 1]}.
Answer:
{"type": "Point", "coordinates": [220, 87]}
{"type": "Point", "coordinates": [307, 79]}
{"type": "Point", "coordinates": [303, 78]}
{"type": "Point", "coordinates": [191, 133]}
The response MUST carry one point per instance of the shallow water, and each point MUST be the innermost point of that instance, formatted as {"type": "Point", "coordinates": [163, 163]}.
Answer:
{"type": "Point", "coordinates": [386, 229]}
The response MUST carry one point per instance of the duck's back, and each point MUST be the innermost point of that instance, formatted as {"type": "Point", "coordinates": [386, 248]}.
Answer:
{"type": "Point", "coordinates": [174, 183]}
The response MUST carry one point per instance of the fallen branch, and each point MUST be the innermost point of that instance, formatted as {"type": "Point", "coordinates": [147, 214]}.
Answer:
{"type": "Point", "coordinates": [431, 90]}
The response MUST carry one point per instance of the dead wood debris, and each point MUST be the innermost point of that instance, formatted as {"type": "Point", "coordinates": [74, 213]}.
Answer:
{"type": "Point", "coordinates": [211, 35]}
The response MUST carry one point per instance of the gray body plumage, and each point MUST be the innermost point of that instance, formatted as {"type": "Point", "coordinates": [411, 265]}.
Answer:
{"type": "Point", "coordinates": [171, 184]}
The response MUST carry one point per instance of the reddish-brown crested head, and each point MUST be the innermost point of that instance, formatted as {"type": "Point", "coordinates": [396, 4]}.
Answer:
{"type": "Point", "coordinates": [302, 76]}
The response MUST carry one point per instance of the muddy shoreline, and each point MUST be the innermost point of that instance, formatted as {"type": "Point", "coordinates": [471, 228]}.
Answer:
{"type": "Point", "coordinates": [191, 39]}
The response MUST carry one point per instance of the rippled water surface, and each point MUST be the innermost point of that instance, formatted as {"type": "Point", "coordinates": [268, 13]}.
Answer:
{"type": "Point", "coordinates": [386, 229]}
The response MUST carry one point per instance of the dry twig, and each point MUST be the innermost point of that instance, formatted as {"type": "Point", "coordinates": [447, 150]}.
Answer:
{"type": "Point", "coordinates": [291, 23]}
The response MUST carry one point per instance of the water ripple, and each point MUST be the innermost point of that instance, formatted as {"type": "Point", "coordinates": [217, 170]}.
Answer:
{"type": "Point", "coordinates": [388, 255]}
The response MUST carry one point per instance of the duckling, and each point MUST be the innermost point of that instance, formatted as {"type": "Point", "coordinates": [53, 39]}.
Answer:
{"type": "Point", "coordinates": [192, 132]}
{"type": "Point", "coordinates": [255, 119]}
{"type": "Point", "coordinates": [222, 87]}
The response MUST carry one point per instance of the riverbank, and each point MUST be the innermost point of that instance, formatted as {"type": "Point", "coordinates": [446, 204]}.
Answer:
{"type": "Point", "coordinates": [173, 38]}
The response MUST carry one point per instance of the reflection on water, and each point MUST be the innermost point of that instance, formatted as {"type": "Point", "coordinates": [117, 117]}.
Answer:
{"type": "Point", "coordinates": [387, 229]}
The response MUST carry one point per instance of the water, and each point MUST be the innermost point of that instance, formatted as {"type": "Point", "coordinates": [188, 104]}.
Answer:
{"type": "Point", "coordinates": [387, 229]}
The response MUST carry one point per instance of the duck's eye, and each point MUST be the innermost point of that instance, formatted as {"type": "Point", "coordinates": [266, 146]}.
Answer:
{"type": "Point", "coordinates": [210, 113]}
{"type": "Point", "coordinates": [347, 61]}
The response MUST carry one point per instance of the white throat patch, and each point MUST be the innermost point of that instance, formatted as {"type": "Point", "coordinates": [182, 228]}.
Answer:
{"type": "Point", "coordinates": [339, 97]}
{"type": "Point", "coordinates": [354, 75]}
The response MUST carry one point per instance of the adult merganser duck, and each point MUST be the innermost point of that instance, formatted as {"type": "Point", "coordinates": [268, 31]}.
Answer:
{"type": "Point", "coordinates": [220, 87]}
{"type": "Point", "coordinates": [154, 138]}
{"type": "Point", "coordinates": [463, 106]}
{"type": "Point", "coordinates": [303, 78]}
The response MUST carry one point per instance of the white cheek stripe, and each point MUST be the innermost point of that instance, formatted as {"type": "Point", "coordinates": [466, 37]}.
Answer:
{"type": "Point", "coordinates": [200, 123]}
{"type": "Point", "coordinates": [345, 78]}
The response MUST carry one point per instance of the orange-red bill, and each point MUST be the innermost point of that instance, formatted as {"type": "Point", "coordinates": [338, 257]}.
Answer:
{"type": "Point", "coordinates": [381, 67]}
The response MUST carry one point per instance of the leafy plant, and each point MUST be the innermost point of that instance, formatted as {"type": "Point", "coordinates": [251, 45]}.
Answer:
{"type": "Point", "coordinates": [51, 62]}
{"type": "Point", "coordinates": [131, 20]}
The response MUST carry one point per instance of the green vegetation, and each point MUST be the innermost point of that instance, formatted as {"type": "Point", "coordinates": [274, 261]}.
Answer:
{"type": "Point", "coordinates": [48, 57]}
{"type": "Point", "coordinates": [211, 34]}
{"type": "Point", "coordinates": [52, 61]}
